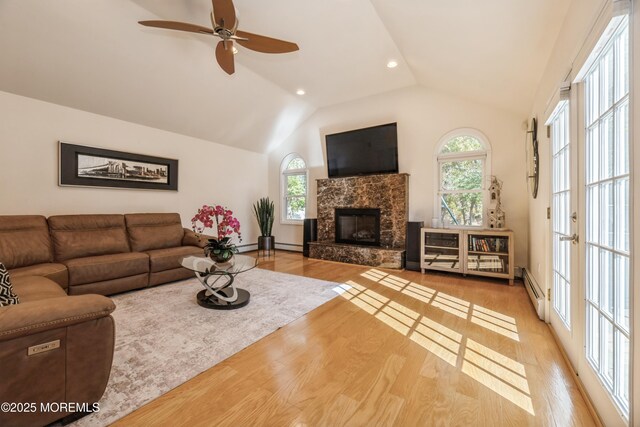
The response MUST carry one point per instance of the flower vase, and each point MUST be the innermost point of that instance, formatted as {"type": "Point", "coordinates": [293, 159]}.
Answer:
{"type": "Point", "coordinates": [221, 255]}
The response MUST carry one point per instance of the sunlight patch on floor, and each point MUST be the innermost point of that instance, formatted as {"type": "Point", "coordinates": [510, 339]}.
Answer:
{"type": "Point", "coordinates": [496, 322]}
{"type": "Point", "coordinates": [493, 370]}
{"type": "Point", "coordinates": [505, 361]}
{"type": "Point", "coordinates": [419, 292]}
{"type": "Point", "coordinates": [501, 374]}
{"type": "Point", "coordinates": [398, 317]}
{"type": "Point", "coordinates": [449, 306]}
{"type": "Point", "coordinates": [481, 316]}
{"type": "Point", "coordinates": [495, 314]}
{"type": "Point", "coordinates": [438, 340]}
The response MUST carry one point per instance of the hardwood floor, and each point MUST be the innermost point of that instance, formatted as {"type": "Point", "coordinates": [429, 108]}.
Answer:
{"type": "Point", "coordinates": [396, 348]}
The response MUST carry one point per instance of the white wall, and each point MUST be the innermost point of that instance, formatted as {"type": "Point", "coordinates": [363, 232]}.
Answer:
{"type": "Point", "coordinates": [581, 17]}
{"type": "Point", "coordinates": [423, 117]}
{"type": "Point", "coordinates": [208, 172]}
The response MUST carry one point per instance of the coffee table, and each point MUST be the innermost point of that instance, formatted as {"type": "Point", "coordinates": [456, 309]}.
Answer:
{"type": "Point", "coordinates": [217, 279]}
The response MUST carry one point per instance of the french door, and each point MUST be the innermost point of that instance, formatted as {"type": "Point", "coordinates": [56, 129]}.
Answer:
{"type": "Point", "coordinates": [604, 182]}
{"type": "Point", "coordinates": [565, 295]}
{"type": "Point", "coordinates": [591, 289]}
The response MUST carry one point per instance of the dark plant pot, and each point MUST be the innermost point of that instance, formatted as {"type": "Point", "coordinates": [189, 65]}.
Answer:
{"type": "Point", "coordinates": [221, 256]}
{"type": "Point", "coordinates": [266, 243]}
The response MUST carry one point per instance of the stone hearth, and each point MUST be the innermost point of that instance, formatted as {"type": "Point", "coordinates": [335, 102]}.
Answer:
{"type": "Point", "coordinates": [354, 254]}
{"type": "Point", "coordinates": [389, 193]}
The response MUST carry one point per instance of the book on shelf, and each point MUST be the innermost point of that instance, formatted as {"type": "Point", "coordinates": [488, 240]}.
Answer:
{"type": "Point", "coordinates": [484, 244]}
{"type": "Point", "coordinates": [494, 266]}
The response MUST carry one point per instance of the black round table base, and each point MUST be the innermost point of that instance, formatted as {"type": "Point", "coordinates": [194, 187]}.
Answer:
{"type": "Point", "coordinates": [210, 301]}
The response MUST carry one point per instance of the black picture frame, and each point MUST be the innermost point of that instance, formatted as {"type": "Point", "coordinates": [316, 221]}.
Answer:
{"type": "Point", "coordinates": [143, 172]}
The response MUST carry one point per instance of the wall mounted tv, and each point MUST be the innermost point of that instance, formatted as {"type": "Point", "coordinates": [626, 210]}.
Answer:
{"type": "Point", "coordinates": [367, 151]}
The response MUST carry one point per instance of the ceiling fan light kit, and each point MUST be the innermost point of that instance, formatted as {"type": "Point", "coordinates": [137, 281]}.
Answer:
{"type": "Point", "coordinates": [225, 27]}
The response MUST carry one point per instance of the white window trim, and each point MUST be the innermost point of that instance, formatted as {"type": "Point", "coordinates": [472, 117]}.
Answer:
{"type": "Point", "coordinates": [284, 173]}
{"type": "Point", "coordinates": [439, 158]}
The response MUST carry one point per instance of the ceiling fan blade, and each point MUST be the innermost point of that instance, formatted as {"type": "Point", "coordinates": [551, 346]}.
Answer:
{"type": "Point", "coordinates": [180, 26]}
{"type": "Point", "coordinates": [264, 44]}
{"type": "Point", "coordinates": [224, 56]}
{"type": "Point", "coordinates": [224, 13]}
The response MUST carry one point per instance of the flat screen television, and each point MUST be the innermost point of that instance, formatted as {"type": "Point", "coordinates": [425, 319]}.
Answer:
{"type": "Point", "coordinates": [367, 151]}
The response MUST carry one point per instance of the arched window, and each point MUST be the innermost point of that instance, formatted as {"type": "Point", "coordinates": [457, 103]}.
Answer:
{"type": "Point", "coordinates": [293, 189]}
{"type": "Point", "coordinates": [463, 168]}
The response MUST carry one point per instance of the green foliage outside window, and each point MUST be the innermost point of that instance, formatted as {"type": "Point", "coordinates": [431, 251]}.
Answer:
{"type": "Point", "coordinates": [462, 209]}
{"type": "Point", "coordinates": [462, 143]}
{"type": "Point", "coordinates": [295, 188]}
{"type": "Point", "coordinates": [296, 196]}
{"type": "Point", "coordinates": [461, 184]}
{"type": "Point", "coordinates": [462, 175]}
{"type": "Point", "coordinates": [296, 163]}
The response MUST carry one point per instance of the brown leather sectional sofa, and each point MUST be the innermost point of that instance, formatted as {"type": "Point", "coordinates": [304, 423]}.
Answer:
{"type": "Point", "coordinates": [57, 265]}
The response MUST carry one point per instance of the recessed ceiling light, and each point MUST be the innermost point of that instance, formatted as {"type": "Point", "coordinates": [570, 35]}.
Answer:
{"type": "Point", "coordinates": [234, 50]}
{"type": "Point", "coordinates": [300, 92]}
{"type": "Point", "coordinates": [392, 64]}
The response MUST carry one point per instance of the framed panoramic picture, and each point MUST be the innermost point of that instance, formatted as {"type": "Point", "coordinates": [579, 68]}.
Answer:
{"type": "Point", "coordinates": [97, 167]}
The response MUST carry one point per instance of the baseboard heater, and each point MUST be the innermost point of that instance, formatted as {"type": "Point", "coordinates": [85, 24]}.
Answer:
{"type": "Point", "coordinates": [535, 293]}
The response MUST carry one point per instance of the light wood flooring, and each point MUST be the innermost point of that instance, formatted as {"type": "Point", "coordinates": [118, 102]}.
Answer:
{"type": "Point", "coordinates": [396, 348]}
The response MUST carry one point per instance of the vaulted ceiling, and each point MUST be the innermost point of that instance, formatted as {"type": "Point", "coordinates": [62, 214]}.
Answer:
{"type": "Point", "coordinates": [92, 55]}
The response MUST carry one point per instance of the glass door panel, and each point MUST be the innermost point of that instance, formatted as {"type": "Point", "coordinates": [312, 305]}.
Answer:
{"type": "Point", "coordinates": [562, 207]}
{"type": "Point", "coordinates": [607, 226]}
{"type": "Point", "coordinates": [441, 250]}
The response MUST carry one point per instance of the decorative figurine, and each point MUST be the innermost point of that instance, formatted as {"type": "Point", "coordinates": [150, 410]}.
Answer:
{"type": "Point", "coordinates": [495, 212]}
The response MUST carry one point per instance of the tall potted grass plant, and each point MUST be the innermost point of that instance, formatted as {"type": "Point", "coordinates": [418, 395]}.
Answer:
{"type": "Point", "coordinates": [264, 211]}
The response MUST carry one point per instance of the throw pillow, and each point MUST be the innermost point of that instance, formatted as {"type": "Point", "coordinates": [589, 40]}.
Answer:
{"type": "Point", "coordinates": [7, 297]}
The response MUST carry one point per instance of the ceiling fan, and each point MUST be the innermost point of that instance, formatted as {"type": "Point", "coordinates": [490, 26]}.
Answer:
{"type": "Point", "coordinates": [225, 27]}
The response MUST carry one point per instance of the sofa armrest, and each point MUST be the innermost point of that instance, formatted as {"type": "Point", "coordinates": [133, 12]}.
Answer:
{"type": "Point", "coordinates": [38, 316]}
{"type": "Point", "coordinates": [192, 239]}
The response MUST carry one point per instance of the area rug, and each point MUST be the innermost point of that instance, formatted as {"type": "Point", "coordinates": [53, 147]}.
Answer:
{"type": "Point", "coordinates": [164, 338]}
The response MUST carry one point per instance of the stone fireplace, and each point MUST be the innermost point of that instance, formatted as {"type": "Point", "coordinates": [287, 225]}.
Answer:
{"type": "Point", "coordinates": [362, 220]}
{"type": "Point", "coordinates": [358, 226]}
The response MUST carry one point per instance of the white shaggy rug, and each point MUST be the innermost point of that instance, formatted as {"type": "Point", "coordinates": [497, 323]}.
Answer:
{"type": "Point", "coordinates": [164, 338]}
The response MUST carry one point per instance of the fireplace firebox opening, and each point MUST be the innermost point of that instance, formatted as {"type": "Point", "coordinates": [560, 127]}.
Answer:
{"type": "Point", "coordinates": [358, 226]}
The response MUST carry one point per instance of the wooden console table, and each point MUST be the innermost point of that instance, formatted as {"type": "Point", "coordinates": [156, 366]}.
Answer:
{"type": "Point", "coordinates": [488, 253]}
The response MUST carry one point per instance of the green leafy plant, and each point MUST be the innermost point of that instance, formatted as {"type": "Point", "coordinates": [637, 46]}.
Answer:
{"type": "Point", "coordinates": [264, 209]}
{"type": "Point", "coordinates": [220, 250]}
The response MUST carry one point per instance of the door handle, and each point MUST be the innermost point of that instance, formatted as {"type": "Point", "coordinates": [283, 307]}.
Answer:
{"type": "Point", "coordinates": [573, 239]}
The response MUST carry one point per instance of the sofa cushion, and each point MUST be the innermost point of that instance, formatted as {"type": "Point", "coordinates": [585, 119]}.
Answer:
{"type": "Point", "coordinates": [167, 276]}
{"type": "Point", "coordinates": [113, 286]}
{"type": "Point", "coordinates": [35, 288]}
{"type": "Point", "coordinates": [168, 259]}
{"type": "Point", "coordinates": [76, 236]}
{"type": "Point", "coordinates": [191, 238]}
{"type": "Point", "coordinates": [24, 240]}
{"type": "Point", "coordinates": [50, 270]}
{"type": "Point", "coordinates": [7, 296]}
{"type": "Point", "coordinates": [106, 267]}
{"type": "Point", "coordinates": [154, 231]}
